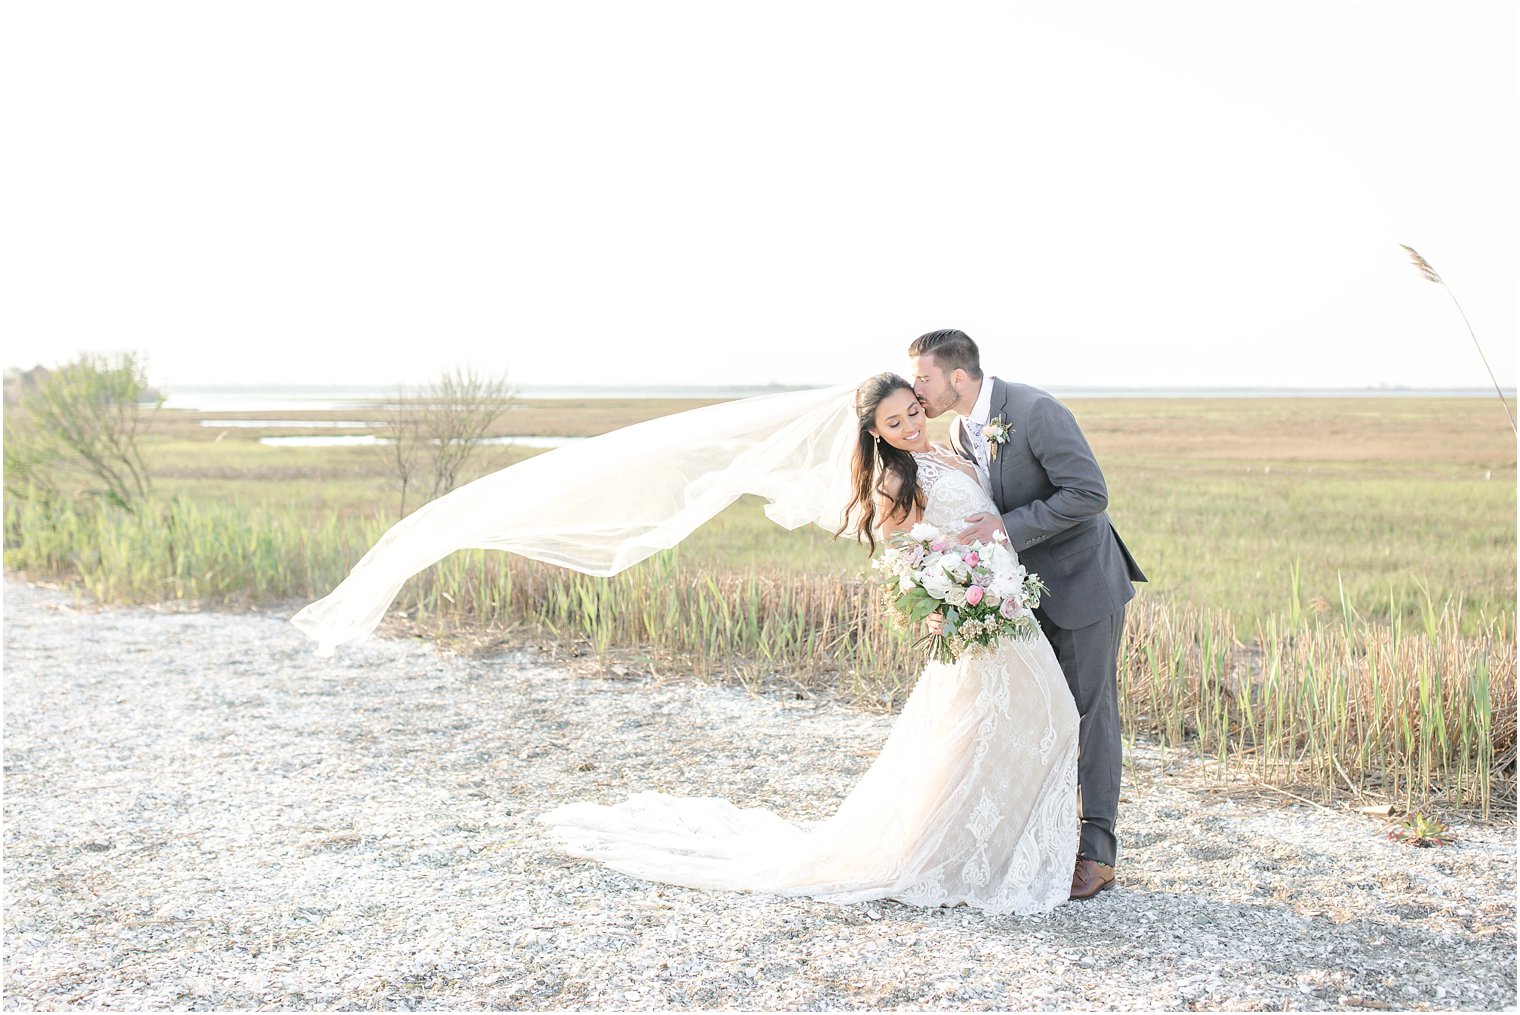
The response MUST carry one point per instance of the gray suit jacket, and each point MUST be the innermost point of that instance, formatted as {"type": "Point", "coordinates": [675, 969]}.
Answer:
{"type": "Point", "coordinates": [1051, 493]}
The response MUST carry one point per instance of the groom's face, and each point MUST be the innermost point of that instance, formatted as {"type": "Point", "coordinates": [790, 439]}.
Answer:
{"type": "Point", "coordinates": [937, 391]}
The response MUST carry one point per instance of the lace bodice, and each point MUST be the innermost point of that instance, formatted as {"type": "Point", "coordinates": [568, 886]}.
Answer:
{"type": "Point", "coordinates": [949, 493]}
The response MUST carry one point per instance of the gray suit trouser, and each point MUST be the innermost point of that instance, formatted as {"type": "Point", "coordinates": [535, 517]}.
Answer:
{"type": "Point", "coordinates": [1089, 659]}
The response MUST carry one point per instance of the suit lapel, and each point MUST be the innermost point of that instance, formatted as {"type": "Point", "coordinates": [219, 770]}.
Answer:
{"type": "Point", "coordinates": [998, 407]}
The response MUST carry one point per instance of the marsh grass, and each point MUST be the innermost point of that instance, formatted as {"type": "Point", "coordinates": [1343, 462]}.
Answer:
{"type": "Point", "coordinates": [1366, 709]}
{"type": "Point", "coordinates": [1332, 597]}
{"type": "Point", "coordinates": [1411, 715]}
{"type": "Point", "coordinates": [1220, 498]}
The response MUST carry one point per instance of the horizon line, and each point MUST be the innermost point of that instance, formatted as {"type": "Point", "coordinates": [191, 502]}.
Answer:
{"type": "Point", "coordinates": [1509, 391]}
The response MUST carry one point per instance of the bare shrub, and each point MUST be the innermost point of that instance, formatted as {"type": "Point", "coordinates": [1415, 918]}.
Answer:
{"type": "Point", "coordinates": [435, 430]}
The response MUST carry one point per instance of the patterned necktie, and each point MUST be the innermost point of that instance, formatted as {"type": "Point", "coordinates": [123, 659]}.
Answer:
{"type": "Point", "coordinates": [978, 442]}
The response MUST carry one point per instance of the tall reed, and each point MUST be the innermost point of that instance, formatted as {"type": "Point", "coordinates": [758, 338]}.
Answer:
{"type": "Point", "coordinates": [1352, 707]}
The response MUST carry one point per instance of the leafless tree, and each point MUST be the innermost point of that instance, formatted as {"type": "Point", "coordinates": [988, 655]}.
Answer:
{"type": "Point", "coordinates": [434, 431]}
{"type": "Point", "coordinates": [404, 436]}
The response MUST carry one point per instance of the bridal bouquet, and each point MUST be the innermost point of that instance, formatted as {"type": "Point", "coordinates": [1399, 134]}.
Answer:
{"type": "Point", "coordinates": [981, 589]}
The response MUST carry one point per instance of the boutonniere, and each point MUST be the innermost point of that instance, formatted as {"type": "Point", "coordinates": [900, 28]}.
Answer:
{"type": "Point", "coordinates": [996, 432]}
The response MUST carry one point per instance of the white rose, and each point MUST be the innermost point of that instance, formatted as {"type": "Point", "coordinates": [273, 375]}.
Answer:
{"type": "Point", "coordinates": [936, 584]}
{"type": "Point", "coordinates": [956, 596]}
{"type": "Point", "coordinates": [1002, 587]}
{"type": "Point", "coordinates": [1001, 559]}
{"type": "Point", "coordinates": [924, 531]}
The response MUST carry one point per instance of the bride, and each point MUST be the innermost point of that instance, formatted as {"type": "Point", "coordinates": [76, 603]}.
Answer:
{"type": "Point", "coordinates": [972, 799]}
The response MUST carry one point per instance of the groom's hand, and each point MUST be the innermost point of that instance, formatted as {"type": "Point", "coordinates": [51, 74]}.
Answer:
{"type": "Point", "coordinates": [981, 527]}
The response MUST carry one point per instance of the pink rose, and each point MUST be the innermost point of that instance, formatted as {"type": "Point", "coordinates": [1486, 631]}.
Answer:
{"type": "Point", "coordinates": [939, 546]}
{"type": "Point", "coordinates": [974, 595]}
{"type": "Point", "coordinates": [1009, 609]}
{"type": "Point", "coordinates": [971, 559]}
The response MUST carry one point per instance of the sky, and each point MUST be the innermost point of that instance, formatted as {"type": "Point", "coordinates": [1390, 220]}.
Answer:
{"type": "Point", "coordinates": [662, 193]}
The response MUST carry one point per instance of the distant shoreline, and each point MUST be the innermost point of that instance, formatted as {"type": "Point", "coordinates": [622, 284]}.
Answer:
{"type": "Point", "coordinates": [234, 397]}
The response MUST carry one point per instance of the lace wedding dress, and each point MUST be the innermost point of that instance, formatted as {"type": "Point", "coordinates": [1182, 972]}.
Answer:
{"type": "Point", "coordinates": [971, 800]}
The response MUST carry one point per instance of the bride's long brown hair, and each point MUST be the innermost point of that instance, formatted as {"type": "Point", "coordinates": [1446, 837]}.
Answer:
{"type": "Point", "coordinates": [875, 461]}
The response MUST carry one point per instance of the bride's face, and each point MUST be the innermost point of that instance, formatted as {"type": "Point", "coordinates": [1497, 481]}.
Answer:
{"type": "Point", "coordinates": [900, 421]}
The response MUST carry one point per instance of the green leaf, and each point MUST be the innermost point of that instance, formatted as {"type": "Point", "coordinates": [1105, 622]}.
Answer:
{"type": "Point", "coordinates": [917, 594]}
{"type": "Point", "coordinates": [921, 610]}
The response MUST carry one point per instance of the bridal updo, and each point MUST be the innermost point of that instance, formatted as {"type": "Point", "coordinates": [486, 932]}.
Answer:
{"type": "Point", "coordinates": [879, 473]}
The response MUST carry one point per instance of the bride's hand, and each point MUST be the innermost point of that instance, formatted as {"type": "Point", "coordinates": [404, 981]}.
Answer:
{"type": "Point", "coordinates": [936, 624]}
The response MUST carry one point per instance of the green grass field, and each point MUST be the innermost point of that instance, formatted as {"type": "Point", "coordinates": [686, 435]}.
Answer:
{"type": "Point", "coordinates": [1374, 502]}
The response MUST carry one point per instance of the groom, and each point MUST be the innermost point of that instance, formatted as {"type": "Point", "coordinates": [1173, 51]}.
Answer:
{"type": "Point", "coordinates": [1051, 493]}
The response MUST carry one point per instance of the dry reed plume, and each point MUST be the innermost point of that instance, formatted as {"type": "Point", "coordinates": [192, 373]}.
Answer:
{"type": "Point", "coordinates": [1430, 275]}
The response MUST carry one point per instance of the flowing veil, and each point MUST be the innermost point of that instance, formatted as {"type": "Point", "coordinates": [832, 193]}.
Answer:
{"type": "Point", "coordinates": [603, 504]}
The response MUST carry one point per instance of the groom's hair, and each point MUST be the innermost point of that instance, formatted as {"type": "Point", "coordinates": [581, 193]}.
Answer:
{"type": "Point", "coordinates": [952, 350]}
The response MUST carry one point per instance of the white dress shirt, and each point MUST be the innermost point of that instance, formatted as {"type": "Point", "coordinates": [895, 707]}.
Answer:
{"type": "Point", "coordinates": [981, 412]}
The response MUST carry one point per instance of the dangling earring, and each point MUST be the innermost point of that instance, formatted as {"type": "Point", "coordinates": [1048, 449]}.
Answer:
{"type": "Point", "coordinates": [878, 444]}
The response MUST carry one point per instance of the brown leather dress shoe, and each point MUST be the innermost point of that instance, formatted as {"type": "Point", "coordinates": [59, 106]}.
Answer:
{"type": "Point", "coordinates": [1090, 878]}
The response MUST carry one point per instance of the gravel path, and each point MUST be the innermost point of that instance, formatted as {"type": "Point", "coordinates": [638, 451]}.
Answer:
{"type": "Point", "coordinates": [199, 813]}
